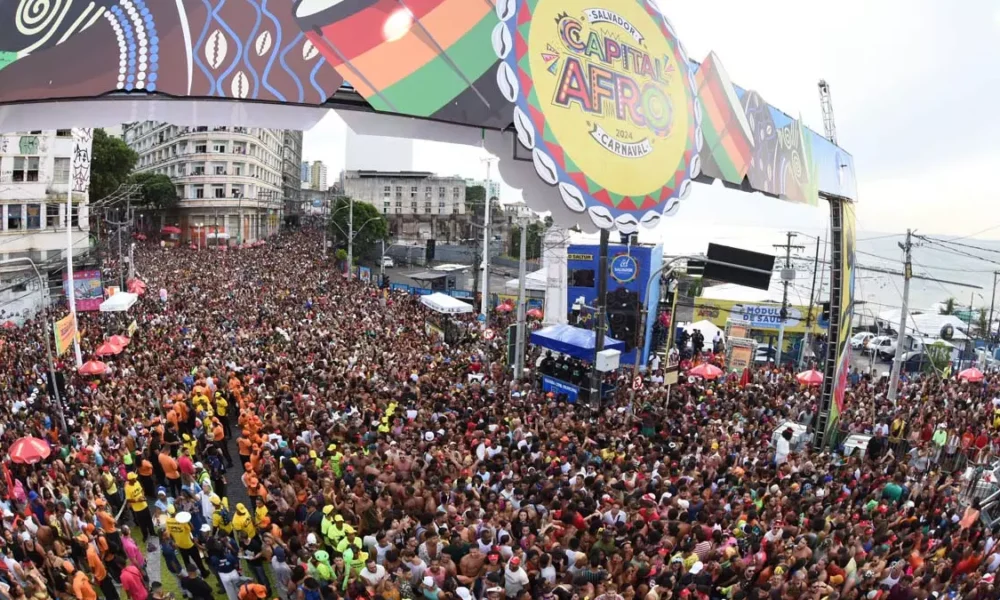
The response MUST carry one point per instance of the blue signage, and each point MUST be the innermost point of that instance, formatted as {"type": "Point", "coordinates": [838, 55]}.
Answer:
{"type": "Point", "coordinates": [557, 387]}
{"type": "Point", "coordinates": [624, 268]}
{"type": "Point", "coordinates": [481, 318]}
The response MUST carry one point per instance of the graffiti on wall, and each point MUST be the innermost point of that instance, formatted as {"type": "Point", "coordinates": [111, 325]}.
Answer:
{"type": "Point", "coordinates": [597, 91]}
{"type": "Point", "coordinates": [80, 167]}
{"type": "Point", "coordinates": [28, 144]}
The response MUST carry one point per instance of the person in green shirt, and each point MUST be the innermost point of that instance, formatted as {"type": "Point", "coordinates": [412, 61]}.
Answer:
{"type": "Point", "coordinates": [319, 567]}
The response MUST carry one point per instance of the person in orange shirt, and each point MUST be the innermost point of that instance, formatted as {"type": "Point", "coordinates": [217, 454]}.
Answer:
{"type": "Point", "coordinates": [80, 583]}
{"type": "Point", "coordinates": [146, 477]}
{"type": "Point", "coordinates": [171, 471]}
{"type": "Point", "coordinates": [96, 564]}
{"type": "Point", "coordinates": [244, 445]}
{"type": "Point", "coordinates": [219, 440]}
{"type": "Point", "coordinates": [183, 416]}
{"type": "Point", "coordinates": [252, 591]}
{"type": "Point", "coordinates": [108, 523]}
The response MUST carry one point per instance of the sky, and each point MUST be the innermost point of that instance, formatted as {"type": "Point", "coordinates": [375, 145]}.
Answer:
{"type": "Point", "coordinates": [914, 86]}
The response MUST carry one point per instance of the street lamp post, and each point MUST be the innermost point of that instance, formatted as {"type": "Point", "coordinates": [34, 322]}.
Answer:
{"type": "Point", "coordinates": [42, 286]}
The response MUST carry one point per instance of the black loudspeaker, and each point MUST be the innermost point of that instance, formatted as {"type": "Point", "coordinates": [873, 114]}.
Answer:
{"type": "Point", "coordinates": [430, 250]}
{"type": "Point", "coordinates": [60, 384]}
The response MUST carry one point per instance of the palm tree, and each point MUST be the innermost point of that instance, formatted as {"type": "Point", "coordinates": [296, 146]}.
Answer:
{"type": "Point", "coordinates": [948, 308]}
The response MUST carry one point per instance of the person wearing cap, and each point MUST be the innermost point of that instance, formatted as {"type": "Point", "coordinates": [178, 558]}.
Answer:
{"type": "Point", "coordinates": [179, 527]}
{"type": "Point", "coordinates": [79, 582]}
{"type": "Point", "coordinates": [281, 571]}
{"type": "Point", "coordinates": [171, 472]}
{"type": "Point", "coordinates": [136, 497]}
{"type": "Point", "coordinates": [515, 578]}
{"type": "Point", "coordinates": [243, 522]}
{"type": "Point", "coordinates": [338, 531]}
{"type": "Point", "coordinates": [96, 564]}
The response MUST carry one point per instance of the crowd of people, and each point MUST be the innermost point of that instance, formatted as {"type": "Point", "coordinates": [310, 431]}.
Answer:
{"type": "Point", "coordinates": [274, 430]}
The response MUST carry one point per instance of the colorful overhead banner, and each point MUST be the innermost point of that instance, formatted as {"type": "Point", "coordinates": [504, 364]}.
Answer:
{"type": "Point", "coordinates": [88, 290]}
{"type": "Point", "coordinates": [65, 331]}
{"type": "Point", "coordinates": [606, 105]}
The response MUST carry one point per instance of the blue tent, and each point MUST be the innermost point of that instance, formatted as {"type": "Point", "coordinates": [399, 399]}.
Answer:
{"type": "Point", "coordinates": [573, 341]}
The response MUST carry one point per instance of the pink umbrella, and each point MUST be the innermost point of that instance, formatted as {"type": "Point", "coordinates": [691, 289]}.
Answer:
{"type": "Point", "coordinates": [972, 375]}
{"type": "Point", "coordinates": [92, 367]}
{"type": "Point", "coordinates": [119, 340]}
{"type": "Point", "coordinates": [534, 313]}
{"type": "Point", "coordinates": [504, 308]}
{"type": "Point", "coordinates": [107, 349]}
{"type": "Point", "coordinates": [811, 377]}
{"type": "Point", "coordinates": [706, 371]}
{"type": "Point", "coordinates": [136, 286]}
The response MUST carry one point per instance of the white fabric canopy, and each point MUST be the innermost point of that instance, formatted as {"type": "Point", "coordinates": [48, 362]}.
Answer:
{"type": "Point", "coordinates": [707, 328]}
{"type": "Point", "coordinates": [443, 303]}
{"type": "Point", "coordinates": [534, 282]}
{"type": "Point", "coordinates": [120, 302]}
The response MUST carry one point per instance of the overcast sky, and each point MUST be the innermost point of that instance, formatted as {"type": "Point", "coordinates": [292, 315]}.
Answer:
{"type": "Point", "coordinates": [915, 89]}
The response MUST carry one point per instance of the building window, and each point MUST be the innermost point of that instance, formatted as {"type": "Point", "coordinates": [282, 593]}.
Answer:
{"type": "Point", "coordinates": [399, 211]}
{"type": "Point", "coordinates": [455, 192]}
{"type": "Point", "coordinates": [25, 169]}
{"type": "Point", "coordinates": [14, 217]}
{"type": "Point", "coordinates": [219, 170]}
{"type": "Point", "coordinates": [440, 191]}
{"type": "Point", "coordinates": [199, 191]}
{"type": "Point", "coordinates": [219, 148]}
{"type": "Point", "coordinates": [387, 189]}
{"type": "Point", "coordinates": [219, 192]}
{"type": "Point", "coordinates": [60, 172]}
{"type": "Point", "coordinates": [64, 133]}
{"type": "Point", "coordinates": [198, 170]}
{"type": "Point", "coordinates": [34, 216]}
{"type": "Point", "coordinates": [201, 148]}
{"type": "Point", "coordinates": [52, 215]}
{"type": "Point", "coordinates": [441, 204]}
{"type": "Point", "coordinates": [427, 210]}
{"type": "Point", "coordinates": [399, 189]}
{"type": "Point", "coordinates": [236, 192]}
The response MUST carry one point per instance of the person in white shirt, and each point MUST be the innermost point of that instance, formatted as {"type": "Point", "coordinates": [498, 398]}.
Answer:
{"type": "Point", "coordinates": [373, 573]}
{"type": "Point", "coordinates": [515, 578]}
{"type": "Point", "coordinates": [783, 447]}
{"type": "Point", "coordinates": [614, 517]}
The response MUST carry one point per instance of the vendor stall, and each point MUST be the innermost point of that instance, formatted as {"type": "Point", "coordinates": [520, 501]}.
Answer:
{"type": "Point", "coordinates": [440, 325]}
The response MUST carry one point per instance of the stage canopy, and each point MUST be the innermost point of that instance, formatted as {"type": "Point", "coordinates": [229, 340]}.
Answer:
{"type": "Point", "coordinates": [443, 303]}
{"type": "Point", "coordinates": [120, 302]}
{"type": "Point", "coordinates": [573, 341]}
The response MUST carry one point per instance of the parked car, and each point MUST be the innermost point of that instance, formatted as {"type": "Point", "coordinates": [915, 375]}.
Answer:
{"type": "Point", "coordinates": [861, 339]}
{"type": "Point", "coordinates": [387, 262]}
{"type": "Point", "coordinates": [883, 347]}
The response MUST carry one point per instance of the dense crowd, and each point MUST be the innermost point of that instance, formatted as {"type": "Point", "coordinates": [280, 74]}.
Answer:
{"type": "Point", "coordinates": [274, 430]}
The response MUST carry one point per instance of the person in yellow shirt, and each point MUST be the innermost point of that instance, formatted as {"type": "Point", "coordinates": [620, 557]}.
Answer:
{"type": "Point", "coordinates": [179, 528]}
{"type": "Point", "coordinates": [338, 530]}
{"type": "Point", "coordinates": [222, 517]}
{"type": "Point", "coordinates": [243, 522]}
{"type": "Point", "coordinates": [222, 411]}
{"type": "Point", "coordinates": [136, 497]}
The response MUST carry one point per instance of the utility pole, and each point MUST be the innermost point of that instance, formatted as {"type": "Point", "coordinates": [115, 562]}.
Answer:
{"type": "Point", "coordinates": [484, 304]}
{"type": "Point", "coordinates": [350, 239]}
{"type": "Point", "coordinates": [989, 325]}
{"type": "Point", "coordinates": [522, 274]}
{"type": "Point", "coordinates": [601, 325]}
{"type": "Point", "coordinates": [787, 276]}
{"type": "Point", "coordinates": [807, 338]}
{"type": "Point", "coordinates": [897, 361]}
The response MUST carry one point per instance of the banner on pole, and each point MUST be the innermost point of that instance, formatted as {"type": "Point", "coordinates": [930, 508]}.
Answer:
{"type": "Point", "coordinates": [132, 327]}
{"type": "Point", "coordinates": [65, 332]}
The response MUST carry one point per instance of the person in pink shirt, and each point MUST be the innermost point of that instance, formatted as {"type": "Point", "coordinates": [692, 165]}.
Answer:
{"type": "Point", "coordinates": [133, 584]}
{"type": "Point", "coordinates": [186, 466]}
{"type": "Point", "coordinates": [132, 551]}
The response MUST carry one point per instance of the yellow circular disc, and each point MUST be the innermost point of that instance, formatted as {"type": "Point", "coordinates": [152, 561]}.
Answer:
{"type": "Point", "coordinates": [613, 91]}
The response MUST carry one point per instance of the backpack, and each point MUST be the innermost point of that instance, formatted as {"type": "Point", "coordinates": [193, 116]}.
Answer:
{"type": "Point", "coordinates": [225, 515]}
{"type": "Point", "coordinates": [309, 594]}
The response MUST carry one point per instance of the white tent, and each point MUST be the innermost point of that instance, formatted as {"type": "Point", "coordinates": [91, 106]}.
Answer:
{"type": "Point", "coordinates": [534, 282]}
{"type": "Point", "coordinates": [120, 302]}
{"type": "Point", "coordinates": [707, 329]}
{"type": "Point", "coordinates": [443, 303]}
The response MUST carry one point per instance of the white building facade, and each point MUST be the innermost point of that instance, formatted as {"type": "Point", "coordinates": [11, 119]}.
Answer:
{"type": "Point", "coordinates": [229, 179]}
{"type": "Point", "coordinates": [34, 184]}
{"type": "Point", "coordinates": [418, 205]}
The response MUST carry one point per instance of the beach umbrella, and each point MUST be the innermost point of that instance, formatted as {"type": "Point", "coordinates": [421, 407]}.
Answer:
{"type": "Point", "coordinates": [810, 377]}
{"type": "Point", "coordinates": [107, 349]}
{"type": "Point", "coordinates": [535, 313]}
{"type": "Point", "coordinates": [504, 308]}
{"type": "Point", "coordinates": [706, 371]}
{"type": "Point", "coordinates": [9, 325]}
{"type": "Point", "coordinates": [119, 340]}
{"type": "Point", "coordinates": [136, 286]}
{"type": "Point", "coordinates": [972, 375]}
{"type": "Point", "coordinates": [29, 450]}
{"type": "Point", "coordinates": [92, 367]}
{"type": "Point", "coordinates": [171, 230]}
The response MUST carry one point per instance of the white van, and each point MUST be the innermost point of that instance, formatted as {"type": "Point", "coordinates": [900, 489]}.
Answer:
{"type": "Point", "coordinates": [801, 437]}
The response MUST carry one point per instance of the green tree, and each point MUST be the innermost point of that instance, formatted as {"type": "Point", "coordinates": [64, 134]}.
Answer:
{"type": "Point", "coordinates": [983, 323]}
{"type": "Point", "coordinates": [370, 225]}
{"type": "Point", "coordinates": [110, 165]}
{"type": "Point", "coordinates": [475, 198]}
{"type": "Point", "coordinates": [948, 308]}
{"type": "Point", "coordinates": [158, 191]}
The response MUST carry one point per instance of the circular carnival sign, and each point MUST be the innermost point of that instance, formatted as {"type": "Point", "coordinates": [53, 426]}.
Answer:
{"type": "Point", "coordinates": [604, 101]}
{"type": "Point", "coordinates": [624, 268]}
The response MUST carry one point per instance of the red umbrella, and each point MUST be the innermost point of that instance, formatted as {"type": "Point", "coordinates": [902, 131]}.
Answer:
{"type": "Point", "coordinates": [170, 229]}
{"type": "Point", "coordinates": [107, 349]}
{"type": "Point", "coordinates": [535, 314]}
{"type": "Point", "coordinates": [119, 340]}
{"type": "Point", "coordinates": [29, 450]}
{"type": "Point", "coordinates": [136, 286]}
{"type": "Point", "coordinates": [504, 308]}
{"type": "Point", "coordinates": [811, 377]}
{"type": "Point", "coordinates": [9, 325]}
{"type": "Point", "coordinates": [92, 367]}
{"type": "Point", "coordinates": [972, 375]}
{"type": "Point", "coordinates": [706, 371]}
